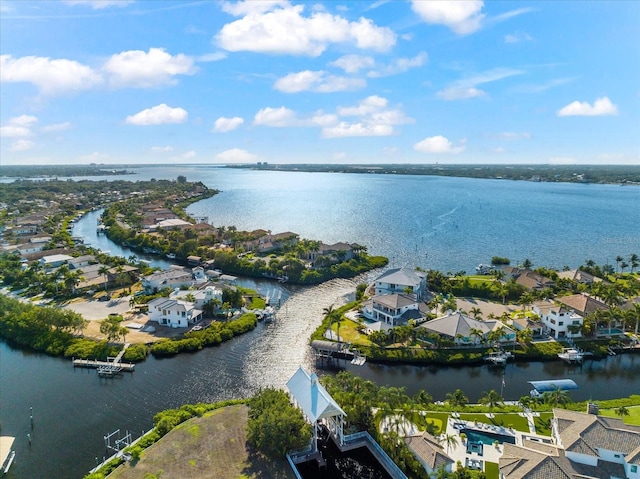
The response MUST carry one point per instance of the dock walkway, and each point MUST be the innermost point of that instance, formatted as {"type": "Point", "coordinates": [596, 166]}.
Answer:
{"type": "Point", "coordinates": [106, 368]}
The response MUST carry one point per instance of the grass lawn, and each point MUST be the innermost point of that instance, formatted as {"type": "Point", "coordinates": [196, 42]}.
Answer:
{"type": "Point", "coordinates": [491, 470]}
{"type": "Point", "coordinates": [439, 421]}
{"type": "Point", "coordinates": [633, 418]}
{"type": "Point", "coordinates": [349, 333]}
{"type": "Point", "coordinates": [513, 420]}
{"type": "Point", "coordinates": [203, 447]}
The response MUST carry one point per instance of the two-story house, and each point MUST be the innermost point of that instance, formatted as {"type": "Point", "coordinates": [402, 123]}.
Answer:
{"type": "Point", "coordinates": [174, 313]}
{"type": "Point", "coordinates": [558, 320]}
{"type": "Point", "coordinates": [402, 280]}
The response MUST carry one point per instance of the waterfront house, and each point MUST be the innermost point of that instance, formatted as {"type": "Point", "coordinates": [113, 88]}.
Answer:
{"type": "Point", "coordinates": [559, 321]}
{"type": "Point", "coordinates": [402, 280]}
{"type": "Point", "coordinates": [527, 278]}
{"type": "Point", "coordinates": [465, 330]}
{"type": "Point", "coordinates": [598, 442]}
{"type": "Point", "coordinates": [200, 296]}
{"type": "Point", "coordinates": [429, 452]}
{"type": "Point", "coordinates": [579, 276]}
{"type": "Point", "coordinates": [393, 309]}
{"type": "Point", "coordinates": [534, 324]}
{"type": "Point", "coordinates": [170, 224]}
{"type": "Point", "coordinates": [174, 313]}
{"type": "Point", "coordinates": [171, 278]}
{"type": "Point", "coordinates": [55, 260]}
{"type": "Point", "coordinates": [583, 304]}
{"type": "Point", "coordinates": [82, 261]}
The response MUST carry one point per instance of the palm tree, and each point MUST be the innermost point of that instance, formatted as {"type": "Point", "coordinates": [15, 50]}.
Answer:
{"type": "Point", "coordinates": [623, 265]}
{"type": "Point", "coordinates": [635, 261]}
{"type": "Point", "coordinates": [329, 312]}
{"type": "Point", "coordinates": [526, 299]}
{"type": "Point", "coordinates": [634, 315]}
{"type": "Point", "coordinates": [619, 259]}
{"type": "Point", "coordinates": [104, 271]}
{"type": "Point", "coordinates": [557, 397]}
{"type": "Point", "coordinates": [457, 399]}
{"type": "Point", "coordinates": [525, 402]}
{"type": "Point", "coordinates": [527, 264]}
{"type": "Point", "coordinates": [491, 399]}
{"type": "Point", "coordinates": [476, 312]}
{"type": "Point", "coordinates": [450, 440]}
{"type": "Point", "coordinates": [477, 333]}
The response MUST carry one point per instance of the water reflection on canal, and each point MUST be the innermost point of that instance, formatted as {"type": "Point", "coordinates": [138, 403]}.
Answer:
{"type": "Point", "coordinates": [74, 409]}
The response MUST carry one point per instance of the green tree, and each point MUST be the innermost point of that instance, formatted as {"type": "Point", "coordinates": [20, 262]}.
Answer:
{"type": "Point", "coordinates": [111, 327]}
{"type": "Point", "coordinates": [622, 411]}
{"type": "Point", "coordinates": [491, 399]}
{"type": "Point", "coordinates": [104, 271]}
{"type": "Point", "coordinates": [556, 397]}
{"type": "Point", "coordinates": [457, 399]}
{"type": "Point", "coordinates": [476, 312]}
{"type": "Point", "coordinates": [450, 440]}
{"type": "Point", "coordinates": [275, 426]}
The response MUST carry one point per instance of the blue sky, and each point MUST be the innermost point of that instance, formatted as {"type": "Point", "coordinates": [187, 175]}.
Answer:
{"type": "Point", "coordinates": [145, 81]}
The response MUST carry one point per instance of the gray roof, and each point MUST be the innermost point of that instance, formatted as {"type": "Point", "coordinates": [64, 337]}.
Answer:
{"type": "Point", "coordinates": [394, 301]}
{"type": "Point", "coordinates": [459, 323]}
{"type": "Point", "coordinates": [402, 276]}
{"type": "Point", "coordinates": [586, 433]}
{"type": "Point", "coordinates": [427, 448]}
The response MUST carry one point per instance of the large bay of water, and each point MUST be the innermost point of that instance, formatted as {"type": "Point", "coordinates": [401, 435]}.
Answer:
{"type": "Point", "coordinates": [444, 223]}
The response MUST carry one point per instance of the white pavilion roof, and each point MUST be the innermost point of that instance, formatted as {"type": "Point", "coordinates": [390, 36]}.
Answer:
{"type": "Point", "coordinates": [311, 396]}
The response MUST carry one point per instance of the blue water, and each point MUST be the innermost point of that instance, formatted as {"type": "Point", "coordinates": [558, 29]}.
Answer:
{"type": "Point", "coordinates": [450, 224]}
{"type": "Point", "coordinates": [487, 438]}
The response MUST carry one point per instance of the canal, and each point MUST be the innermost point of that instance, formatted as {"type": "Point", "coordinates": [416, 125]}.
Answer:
{"type": "Point", "coordinates": [73, 408]}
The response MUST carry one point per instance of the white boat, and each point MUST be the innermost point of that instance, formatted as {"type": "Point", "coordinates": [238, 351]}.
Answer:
{"type": "Point", "coordinates": [171, 255]}
{"type": "Point", "coordinates": [484, 268]}
{"type": "Point", "coordinates": [571, 355]}
{"type": "Point", "coordinates": [499, 358]}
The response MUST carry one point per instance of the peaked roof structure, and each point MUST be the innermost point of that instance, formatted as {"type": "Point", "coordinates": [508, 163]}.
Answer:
{"type": "Point", "coordinates": [459, 323]}
{"type": "Point", "coordinates": [427, 448]}
{"type": "Point", "coordinates": [583, 304]}
{"type": "Point", "coordinates": [402, 276]}
{"type": "Point", "coordinates": [311, 396]}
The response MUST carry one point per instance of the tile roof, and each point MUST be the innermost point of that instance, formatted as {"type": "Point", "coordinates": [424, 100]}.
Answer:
{"type": "Point", "coordinates": [582, 303]}
{"type": "Point", "coordinates": [402, 276]}
{"type": "Point", "coordinates": [394, 301]}
{"type": "Point", "coordinates": [427, 448]}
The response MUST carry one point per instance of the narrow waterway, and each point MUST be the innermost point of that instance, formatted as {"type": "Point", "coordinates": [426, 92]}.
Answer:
{"type": "Point", "coordinates": [74, 409]}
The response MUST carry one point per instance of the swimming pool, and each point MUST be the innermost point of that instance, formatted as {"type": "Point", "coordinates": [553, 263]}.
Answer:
{"type": "Point", "coordinates": [486, 437]}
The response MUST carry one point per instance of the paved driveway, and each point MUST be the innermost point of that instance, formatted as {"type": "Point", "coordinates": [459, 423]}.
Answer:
{"type": "Point", "coordinates": [96, 310]}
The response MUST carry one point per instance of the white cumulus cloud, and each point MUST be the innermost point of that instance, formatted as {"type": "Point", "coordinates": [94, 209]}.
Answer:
{"type": "Point", "coordinates": [280, 28]}
{"type": "Point", "coordinates": [158, 115]}
{"type": "Point", "coordinates": [317, 81]}
{"type": "Point", "coordinates": [284, 117]}
{"type": "Point", "coordinates": [223, 125]}
{"type": "Point", "coordinates": [373, 118]}
{"type": "Point", "coordinates": [50, 76]}
{"type": "Point", "coordinates": [18, 126]}
{"type": "Point", "coordinates": [161, 149]}
{"type": "Point", "coordinates": [56, 127]}
{"type": "Point", "coordinates": [601, 107]}
{"type": "Point", "coordinates": [437, 144]}
{"type": "Point", "coordinates": [236, 155]}
{"type": "Point", "coordinates": [136, 68]}
{"type": "Point", "coordinates": [400, 65]}
{"type": "Point", "coordinates": [354, 63]}
{"type": "Point", "coordinates": [22, 145]}
{"type": "Point", "coordinates": [517, 37]}
{"type": "Point", "coordinates": [461, 16]}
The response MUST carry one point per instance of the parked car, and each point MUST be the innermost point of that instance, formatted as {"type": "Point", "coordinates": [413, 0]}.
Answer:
{"type": "Point", "coordinates": [104, 297]}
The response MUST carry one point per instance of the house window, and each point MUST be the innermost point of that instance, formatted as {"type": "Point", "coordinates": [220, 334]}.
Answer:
{"type": "Point", "coordinates": [164, 312]}
{"type": "Point", "coordinates": [634, 469]}
{"type": "Point", "coordinates": [184, 314]}
{"type": "Point", "coordinates": [575, 323]}
{"type": "Point", "coordinates": [553, 321]}
{"type": "Point", "coordinates": [561, 323]}
{"type": "Point", "coordinates": [178, 321]}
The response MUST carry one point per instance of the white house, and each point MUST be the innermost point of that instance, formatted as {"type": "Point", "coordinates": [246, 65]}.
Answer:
{"type": "Point", "coordinates": [201, 296]}
{"type": "Point", "coordinates": [170, 278]}
{"type": "Point", "coordinates": [174, 313]}
{"type": "Point", "coordinates": [55, 260]}
{"type": "Point", "coordinates": [559, 321]}
{"type": "Point", "coordinates": [401, 280]}
{"type": "Point", "coordinates": [392, 309]}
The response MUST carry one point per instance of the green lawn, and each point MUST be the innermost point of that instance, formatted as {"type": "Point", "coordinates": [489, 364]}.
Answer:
{"type": "Point", "coordinates": [633, 418]}
{"type": "Point", "coordinates": [491, 470]}
{"type": "Point", "coordinates": [349, 333]}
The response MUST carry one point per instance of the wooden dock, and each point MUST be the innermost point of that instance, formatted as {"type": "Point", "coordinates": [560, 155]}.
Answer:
{"type": "Point", "coordinates": [109, 368]}
{"type": "Point", "coordinates": [93, 364]}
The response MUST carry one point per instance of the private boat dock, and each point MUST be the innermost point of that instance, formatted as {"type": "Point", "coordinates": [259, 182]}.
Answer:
{"type": "Point", "coordinates": [109, 368]}
{"type": "Point", "coordinates": [330, 350]}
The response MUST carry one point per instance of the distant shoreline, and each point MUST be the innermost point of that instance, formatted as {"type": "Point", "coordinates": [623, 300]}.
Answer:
{"type": "Point", "coordinates": [585, 174]}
